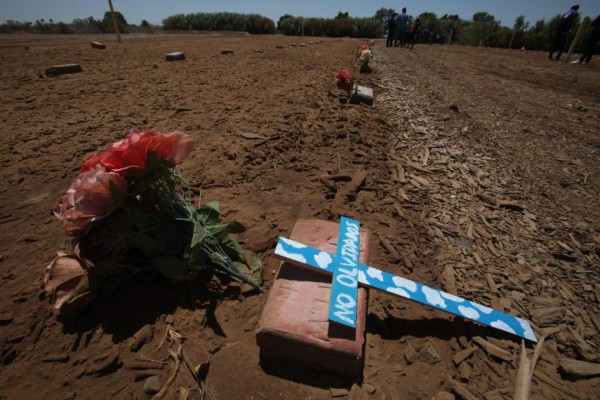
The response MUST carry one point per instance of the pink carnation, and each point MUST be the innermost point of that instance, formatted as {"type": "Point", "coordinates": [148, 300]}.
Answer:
{"type": "Point", "coordinates": [179, 147]}
{"type": "Point", "coordinates": [90, 197]}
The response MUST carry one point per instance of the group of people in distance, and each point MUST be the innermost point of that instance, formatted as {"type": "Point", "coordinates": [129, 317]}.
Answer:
{"type": "Point", "coordinates": [401, 32]}
{"type": "Point", "coordinates": [560, 38]}
{"type": "Point", "coordinates": [404, 32]}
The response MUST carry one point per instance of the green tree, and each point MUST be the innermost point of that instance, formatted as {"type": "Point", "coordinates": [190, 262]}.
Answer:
{"type": "Point", "coordinates": [503, 36]}
{"type": "Point", "coordinates": [536, 37]}
{"type": "Point", "coordinates": [107, 23]}
{"type": "Point", "coordinates": [483, 29]}
{"type": "Point", "coordinates": [175, 22]}
{"type": "Point", "coordinates": [451, 25]}
{"type": "Point", "coordinates": [383, 14]}
{"type": "Point", "coordinates": [518, 27]}
{"type": "Point", "coordinates": [290, 25]}
{"type": "Point", "coordinates": [282, 20]}
{"type": "Point", "coordinates": [222, 21]}
{"type": "Point", "coordinates": [87, 25]}
{"type": "Point", "coordinates": [520, 23]}
{"type": "Point", "coordinates": [430, 21]}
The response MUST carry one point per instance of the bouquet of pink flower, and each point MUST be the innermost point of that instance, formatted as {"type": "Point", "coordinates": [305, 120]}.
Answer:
{"type": "Point", "coordinates": [128, 212]}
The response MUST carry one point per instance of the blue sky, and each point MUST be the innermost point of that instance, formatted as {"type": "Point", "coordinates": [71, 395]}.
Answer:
{"type": "Point", "coordinates": [155, 10]}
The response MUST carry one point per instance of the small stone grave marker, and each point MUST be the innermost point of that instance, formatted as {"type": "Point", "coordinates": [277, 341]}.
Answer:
{"type": "Point", "coordinates": [98, 45]}
{"type": "Point", "coordinates": [227, 51]}
{"type": "Point", "coordinates": [63, 69]}
{"type": "Point", "coordinates": [362, 94]}
{"type": "Point", "coordinates": [176, 56]}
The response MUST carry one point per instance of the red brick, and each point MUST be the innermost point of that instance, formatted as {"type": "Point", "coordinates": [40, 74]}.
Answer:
{"type": "Point", "coordinates": [294, 324]}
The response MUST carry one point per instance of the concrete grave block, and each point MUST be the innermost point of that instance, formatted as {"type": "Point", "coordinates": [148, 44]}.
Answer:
{"type": "Point", "coordinates": [279, 46]}
{"type": "Point", "coordinates": [293, 45]}
{"type": "Point", "coordinates": [63, 69]}
{"type": "Point", "coordinates": [98, 45]}
{"type": "Point", "coordinates": [294, 325]}
{"type": "Point", "coordinates": [302, 44]}
{"type": "Point", "coordinates": [176, 56]}
{"type": "Point", "coordinates": [227, 51]}
{"type": "Point", "coordinates": [362, 94]}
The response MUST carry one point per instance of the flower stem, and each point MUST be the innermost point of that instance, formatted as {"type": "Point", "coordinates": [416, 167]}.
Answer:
{"type": "Point", "coordinates": [223, 263]}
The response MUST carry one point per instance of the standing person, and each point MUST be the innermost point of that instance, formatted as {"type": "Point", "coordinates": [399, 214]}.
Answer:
{"type": "Point", "coordinates": [590, 47]}
{"type": "Point", "coordinates": [415, 33]}
{"type": "Point", "coordinates": [401, 28]}
{"type": "Point", "coordinates": [425, 35]}
{"type": "Point", "coordinates": [391, 30]}
{"type": "Point", "coordinates": [561, 35]}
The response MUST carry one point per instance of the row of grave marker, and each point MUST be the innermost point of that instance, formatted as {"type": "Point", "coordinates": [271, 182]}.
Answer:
{"type": "Point", "coordinates": [174, 56]}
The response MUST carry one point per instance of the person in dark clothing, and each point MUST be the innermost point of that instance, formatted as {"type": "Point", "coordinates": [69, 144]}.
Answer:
{"type": "Point", "coordinates": [590, 47]}
{"type": "Point", "coordinates": [415, 33]}
{"type": "Point", "coordinates": [425, 36]}
{"type": "Point", "coordinates": [561, 35]}
{"type": "Point", "coordinates": [401, 28]}
{"type": "Point", "coordinates": [391, 31]}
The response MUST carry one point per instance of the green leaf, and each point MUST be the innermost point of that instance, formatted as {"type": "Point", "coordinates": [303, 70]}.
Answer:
{"type": "Point", "coordinates": [195, 258]}
{"type": "Point", "coordinates": [209, 213]}
{"type": "Point", "coordinates": [82, 288]}
{"type": "Point", "coordinates": [254, 276]}
{"type": "Point", "coordinates": [255, 266]}
{"type": "Point", "coordinates": [171, 267]}
{"type": "Point", "coordinates": [198, 235]}
{"type": "Point", "coordinates": [218, 231]}
{"type": "Point", "coordinates": [221, 231]}
{"type": "Point", "coordinates": [232, 248]}
{"type": "Point", "coordinates": [236, 227]}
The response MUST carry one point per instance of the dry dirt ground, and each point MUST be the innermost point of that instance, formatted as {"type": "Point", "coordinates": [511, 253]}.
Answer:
{"type": "Point", "coordinates": [482, 178]}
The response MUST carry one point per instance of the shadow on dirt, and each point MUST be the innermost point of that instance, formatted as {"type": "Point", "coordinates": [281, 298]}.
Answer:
{"type": "Point", "coordinates": [306, 375]}
{"type": "Point", "coordinates": [393, 328]}
{"type": "Point", "coordinates": [144, 301]}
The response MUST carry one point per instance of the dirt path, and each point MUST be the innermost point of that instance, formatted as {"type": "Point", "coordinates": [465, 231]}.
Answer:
{"type": "Point", "coordinates": [497, 211]}
{"type": "Point", "coordinates": [482, 173]}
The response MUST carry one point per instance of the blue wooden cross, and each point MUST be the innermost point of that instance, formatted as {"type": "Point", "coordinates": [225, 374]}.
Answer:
{"type": "Point", "coordinates": [344, 287]}
{"type": "Point", "coordinates": [348, 272]}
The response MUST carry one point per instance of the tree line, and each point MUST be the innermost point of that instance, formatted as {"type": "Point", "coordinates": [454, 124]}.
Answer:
{"type": "Point", "coordinates": [86, 25]}
{"type": "Point", "coordinates": [341, 26]}
{"type": "Point", "coordinates": [222, 21]}
{"type": "Point", "coordinates": [483, 29]}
